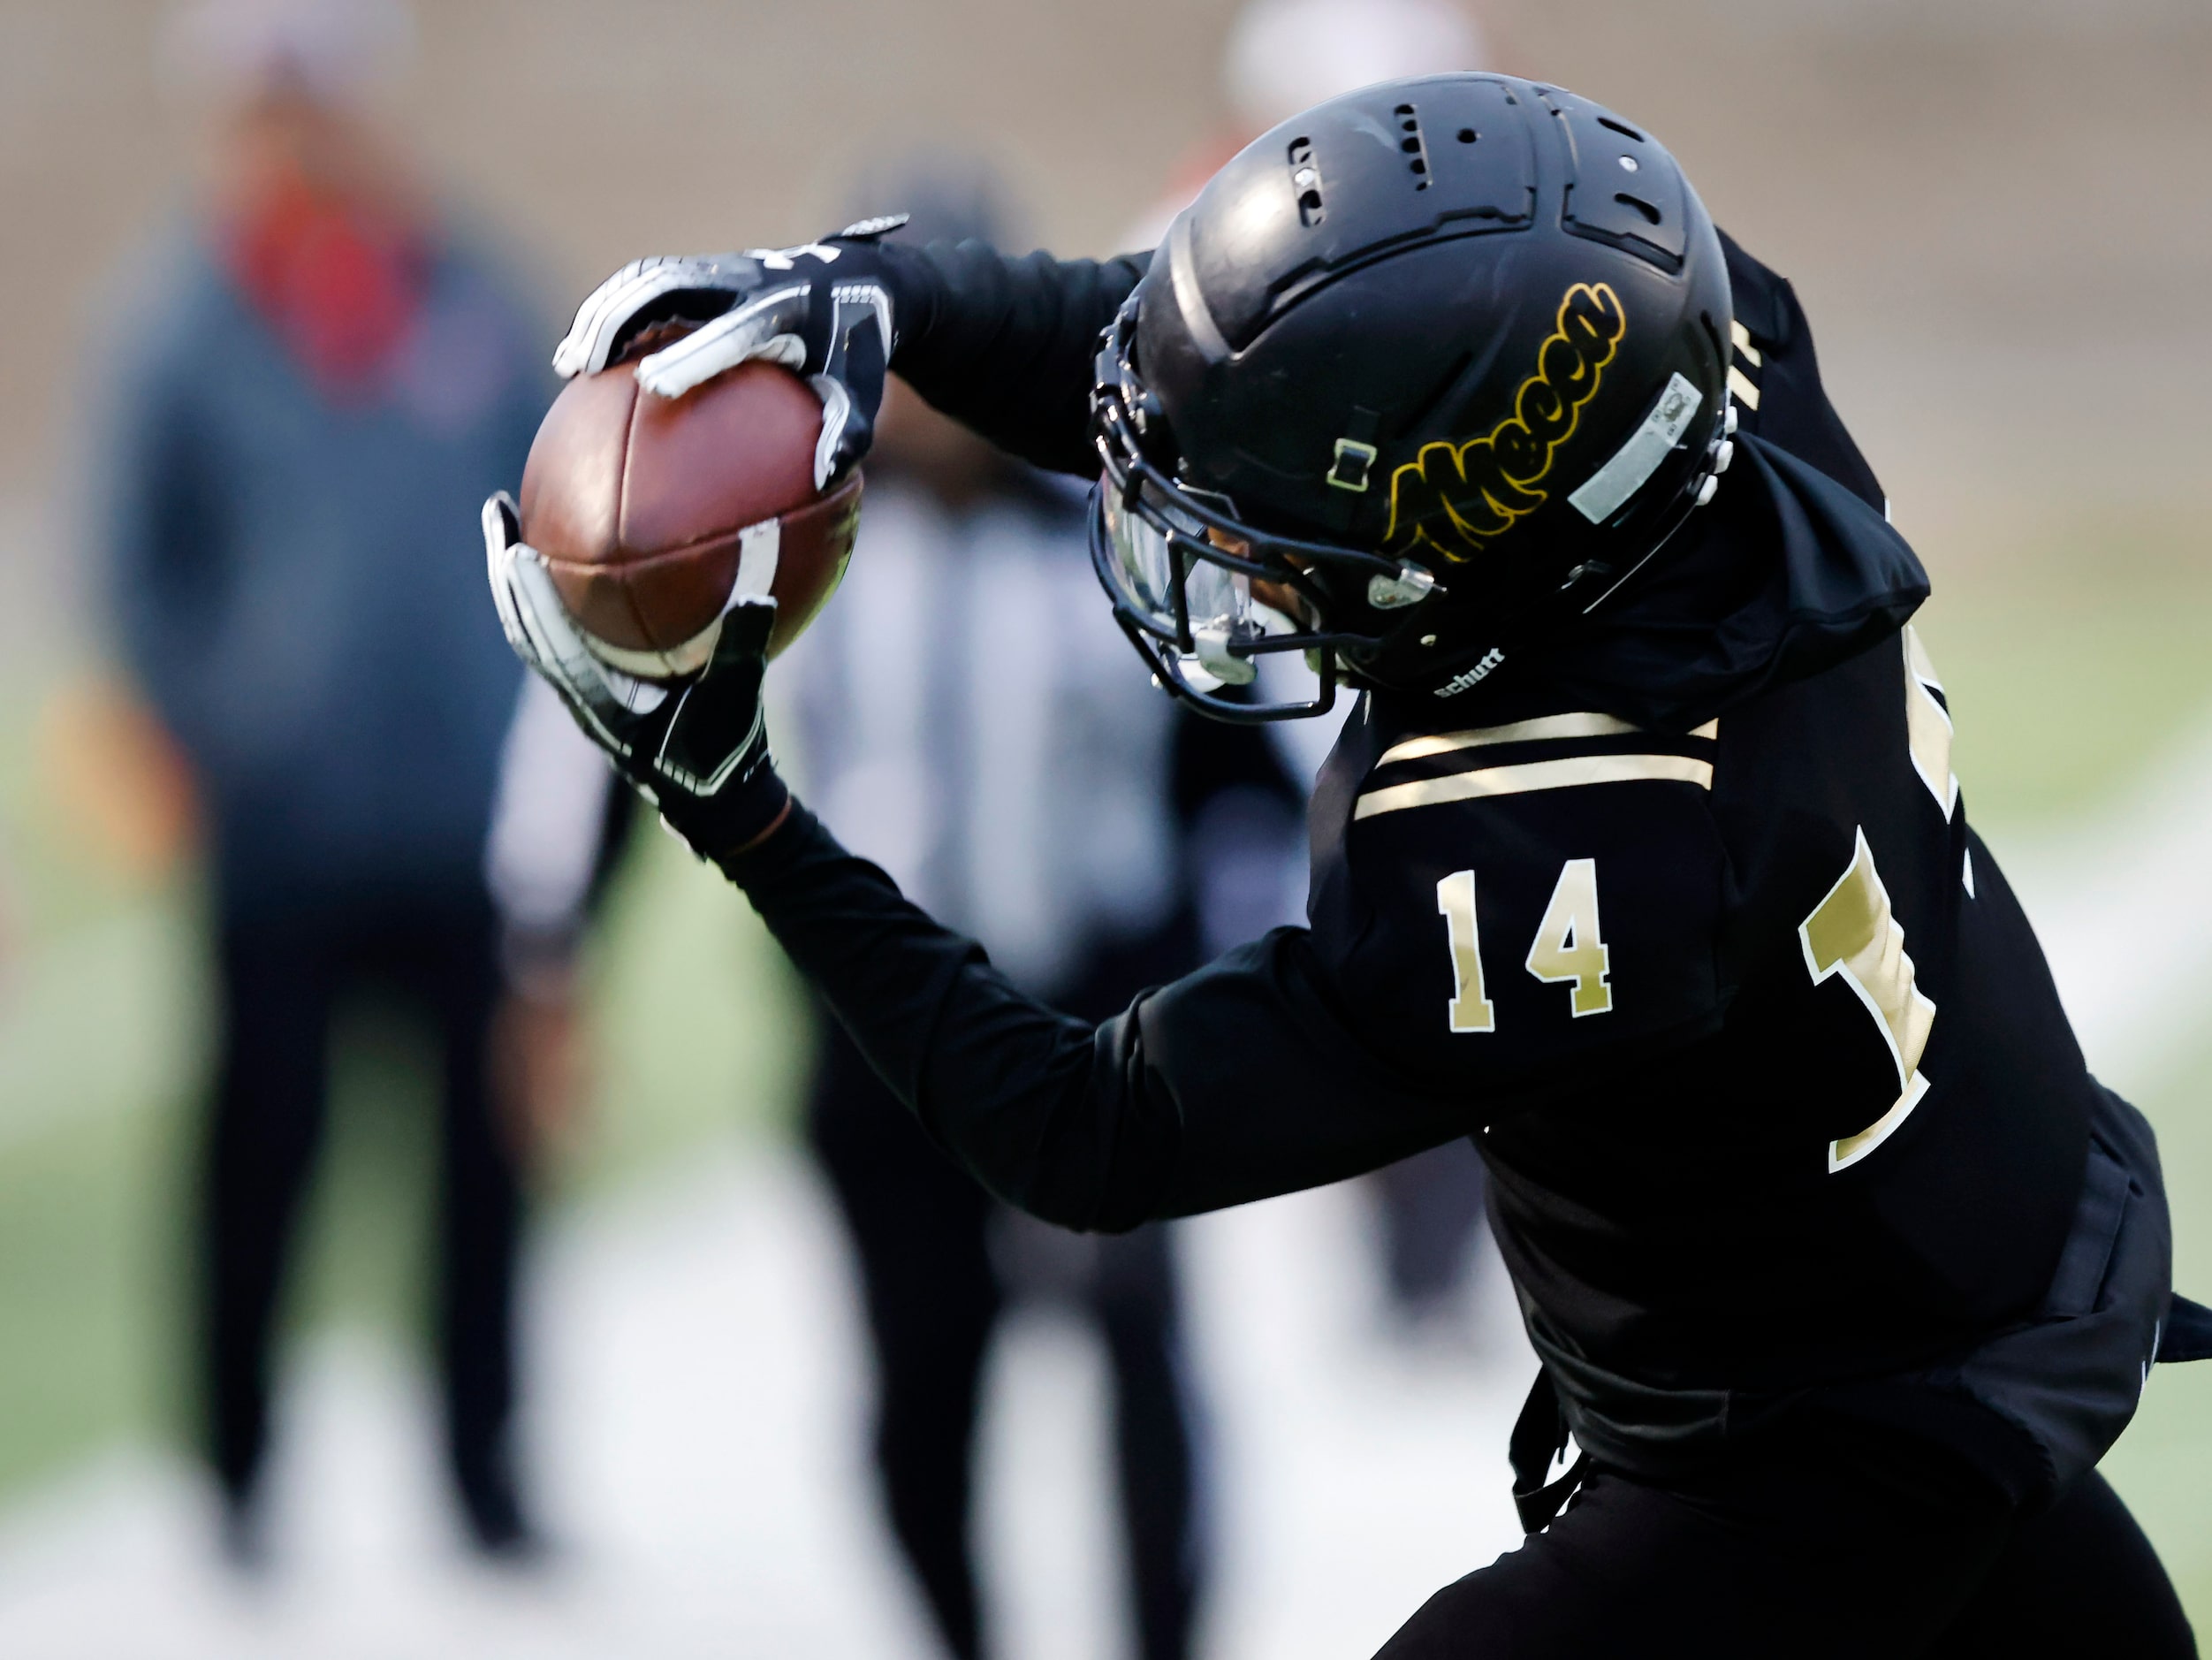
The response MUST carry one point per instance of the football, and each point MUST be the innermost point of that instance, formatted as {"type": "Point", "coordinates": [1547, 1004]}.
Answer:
{"type": "Point", "coordinates": [651, 512]}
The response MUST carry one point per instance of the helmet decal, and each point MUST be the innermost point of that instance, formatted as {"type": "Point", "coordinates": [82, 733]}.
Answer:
{"type": "Point", "coordinates": [1453, 499]}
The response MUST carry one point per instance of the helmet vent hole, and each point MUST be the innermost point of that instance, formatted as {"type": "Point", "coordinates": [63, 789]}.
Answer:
{"type": "Point", "coordinates": [1639, 204]}
{"type": "Point", "coordinates": [1305, 180]}
{"type": "Point", "coordinates": [1414, 146]}
{"type": "Point", "coordinates": [1623, 128]}
{"type": "Point", "coordinates": [1468, 136]}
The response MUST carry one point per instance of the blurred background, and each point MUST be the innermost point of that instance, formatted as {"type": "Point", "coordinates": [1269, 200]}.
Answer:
{"type": "Point", "coordinates": [1993, 211]}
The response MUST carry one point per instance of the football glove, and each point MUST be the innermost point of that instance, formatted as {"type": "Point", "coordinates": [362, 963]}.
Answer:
{"type": "Point", "coordinates": [822, 309]}
{"type": "Point", "coordinates": [697, 750]}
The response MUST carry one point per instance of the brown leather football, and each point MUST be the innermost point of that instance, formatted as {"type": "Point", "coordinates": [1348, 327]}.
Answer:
{"type": "Point", "coordinates": [651, 512]}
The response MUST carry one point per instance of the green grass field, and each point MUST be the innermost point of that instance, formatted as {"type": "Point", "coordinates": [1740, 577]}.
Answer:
{"type": "Point", "coordinates": [2066, 688]}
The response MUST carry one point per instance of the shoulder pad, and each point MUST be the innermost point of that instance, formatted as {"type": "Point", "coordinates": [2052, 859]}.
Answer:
{"type": "Point", "coordinates": [1508, 903]}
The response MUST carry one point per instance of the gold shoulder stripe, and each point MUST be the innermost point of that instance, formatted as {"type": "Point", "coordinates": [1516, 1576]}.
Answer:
{"type": "Point", "coordinates": [1740, 383]}
{"type": "Point", "coordinates": [1535, 775]}
{"type": "Point", "coordinates": [1582, 726]}
{"type": "Point", "coordinates": [1741, 338]}
{"type": "Point", "coordinates": [1538, 730]}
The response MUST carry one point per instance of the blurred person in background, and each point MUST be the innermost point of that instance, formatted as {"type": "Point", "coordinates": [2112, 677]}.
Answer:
{"type": "Point", "coordinates": [966, 716]}
{"type": "Point", "coordinates": [964, 713]}
{"type": "Point", "coordinates": [1282, 56]}
{"type": "Point", "coordinates": [319, 383]}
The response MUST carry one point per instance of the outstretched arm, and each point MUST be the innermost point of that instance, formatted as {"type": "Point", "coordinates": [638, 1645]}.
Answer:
{"type": "Point", "coordinates": [1005, 345]}
{"type": "Point", "coordinates": [1235, 1082]}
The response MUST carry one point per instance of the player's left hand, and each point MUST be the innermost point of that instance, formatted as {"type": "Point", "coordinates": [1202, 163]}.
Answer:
{"type": "Point", "coordinates": [697, 750]}
{"type": "Point", "coordinates": [822, 309]}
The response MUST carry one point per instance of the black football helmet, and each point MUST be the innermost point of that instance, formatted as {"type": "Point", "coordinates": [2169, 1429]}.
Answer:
{"type": "Point", "coordinates": [1422, 375]}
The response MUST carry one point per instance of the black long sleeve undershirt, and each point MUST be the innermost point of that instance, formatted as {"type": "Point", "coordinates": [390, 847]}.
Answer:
{"type": "Point", "coordinates": [1239, 1081]}
{"type": "Point", "coordinates": [1235, 1082]}
{"type": "Point", "coordinates": [1004, 344]}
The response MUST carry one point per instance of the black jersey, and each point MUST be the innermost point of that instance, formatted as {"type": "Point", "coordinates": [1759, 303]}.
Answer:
{"type": "Point", "coordinates": [1776, 1086]}
{"type": "Point", "coordinates": [1682, 922]}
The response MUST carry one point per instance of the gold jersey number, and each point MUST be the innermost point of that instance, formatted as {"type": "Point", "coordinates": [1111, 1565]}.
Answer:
{"type": "Point", "coordinates": [1854, 933]}
{"type": "Point", "coordinates": [1568, 949]}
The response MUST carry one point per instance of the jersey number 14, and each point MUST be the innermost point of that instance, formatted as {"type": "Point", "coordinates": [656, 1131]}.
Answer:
{"type": "Point", "coordinates": [1852, 933]}
{"type": "Point", "coordinates": [1568, 949]}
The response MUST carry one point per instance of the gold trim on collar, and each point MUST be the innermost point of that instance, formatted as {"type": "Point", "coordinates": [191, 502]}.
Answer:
{"type": "Point", "coordinates": [1537, 730]}
{"type": "Point", "coordinates": [1580, 726]}
{"type": "Point", "coordinates": [1535, 775]}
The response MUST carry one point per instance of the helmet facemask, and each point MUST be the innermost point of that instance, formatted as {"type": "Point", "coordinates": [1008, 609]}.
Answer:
{"type": "Point", "coordinates": [1204, 594]}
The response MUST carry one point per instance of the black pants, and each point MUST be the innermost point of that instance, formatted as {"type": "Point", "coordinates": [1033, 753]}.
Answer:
{"type": "Point", "coordinates": [279, 978]}
{"type": "Point", "coordinates": [1814, 1558]}
{"type": "Point", "coordinates": [920, 1227]}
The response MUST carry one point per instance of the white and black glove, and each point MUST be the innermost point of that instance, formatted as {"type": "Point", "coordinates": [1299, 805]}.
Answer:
{"type": "Point", "coordinates": [698, 751]}
{"type": "Point", "coordinates": [823, 309]}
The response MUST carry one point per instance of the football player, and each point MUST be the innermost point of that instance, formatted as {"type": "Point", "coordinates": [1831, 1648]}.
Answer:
{"type": "Point", "coordinates": [1641, 862]}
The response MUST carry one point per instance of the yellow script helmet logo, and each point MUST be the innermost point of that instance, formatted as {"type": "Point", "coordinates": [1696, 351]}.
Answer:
{"type": "Point", "coordinates": [1453, 499]}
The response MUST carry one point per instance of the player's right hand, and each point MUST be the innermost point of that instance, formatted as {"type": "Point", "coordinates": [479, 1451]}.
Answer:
{"type": "Point", "coordinates": [823, 309]}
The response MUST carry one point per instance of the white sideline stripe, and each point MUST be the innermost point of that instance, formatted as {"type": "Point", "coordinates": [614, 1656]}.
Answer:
{"type": "Point", "coordinates": [700, 1418]}
{"type": "Point", "coordinates": [2122, 902]}
{"type": "Point", "coordinates": [1535, 775]}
